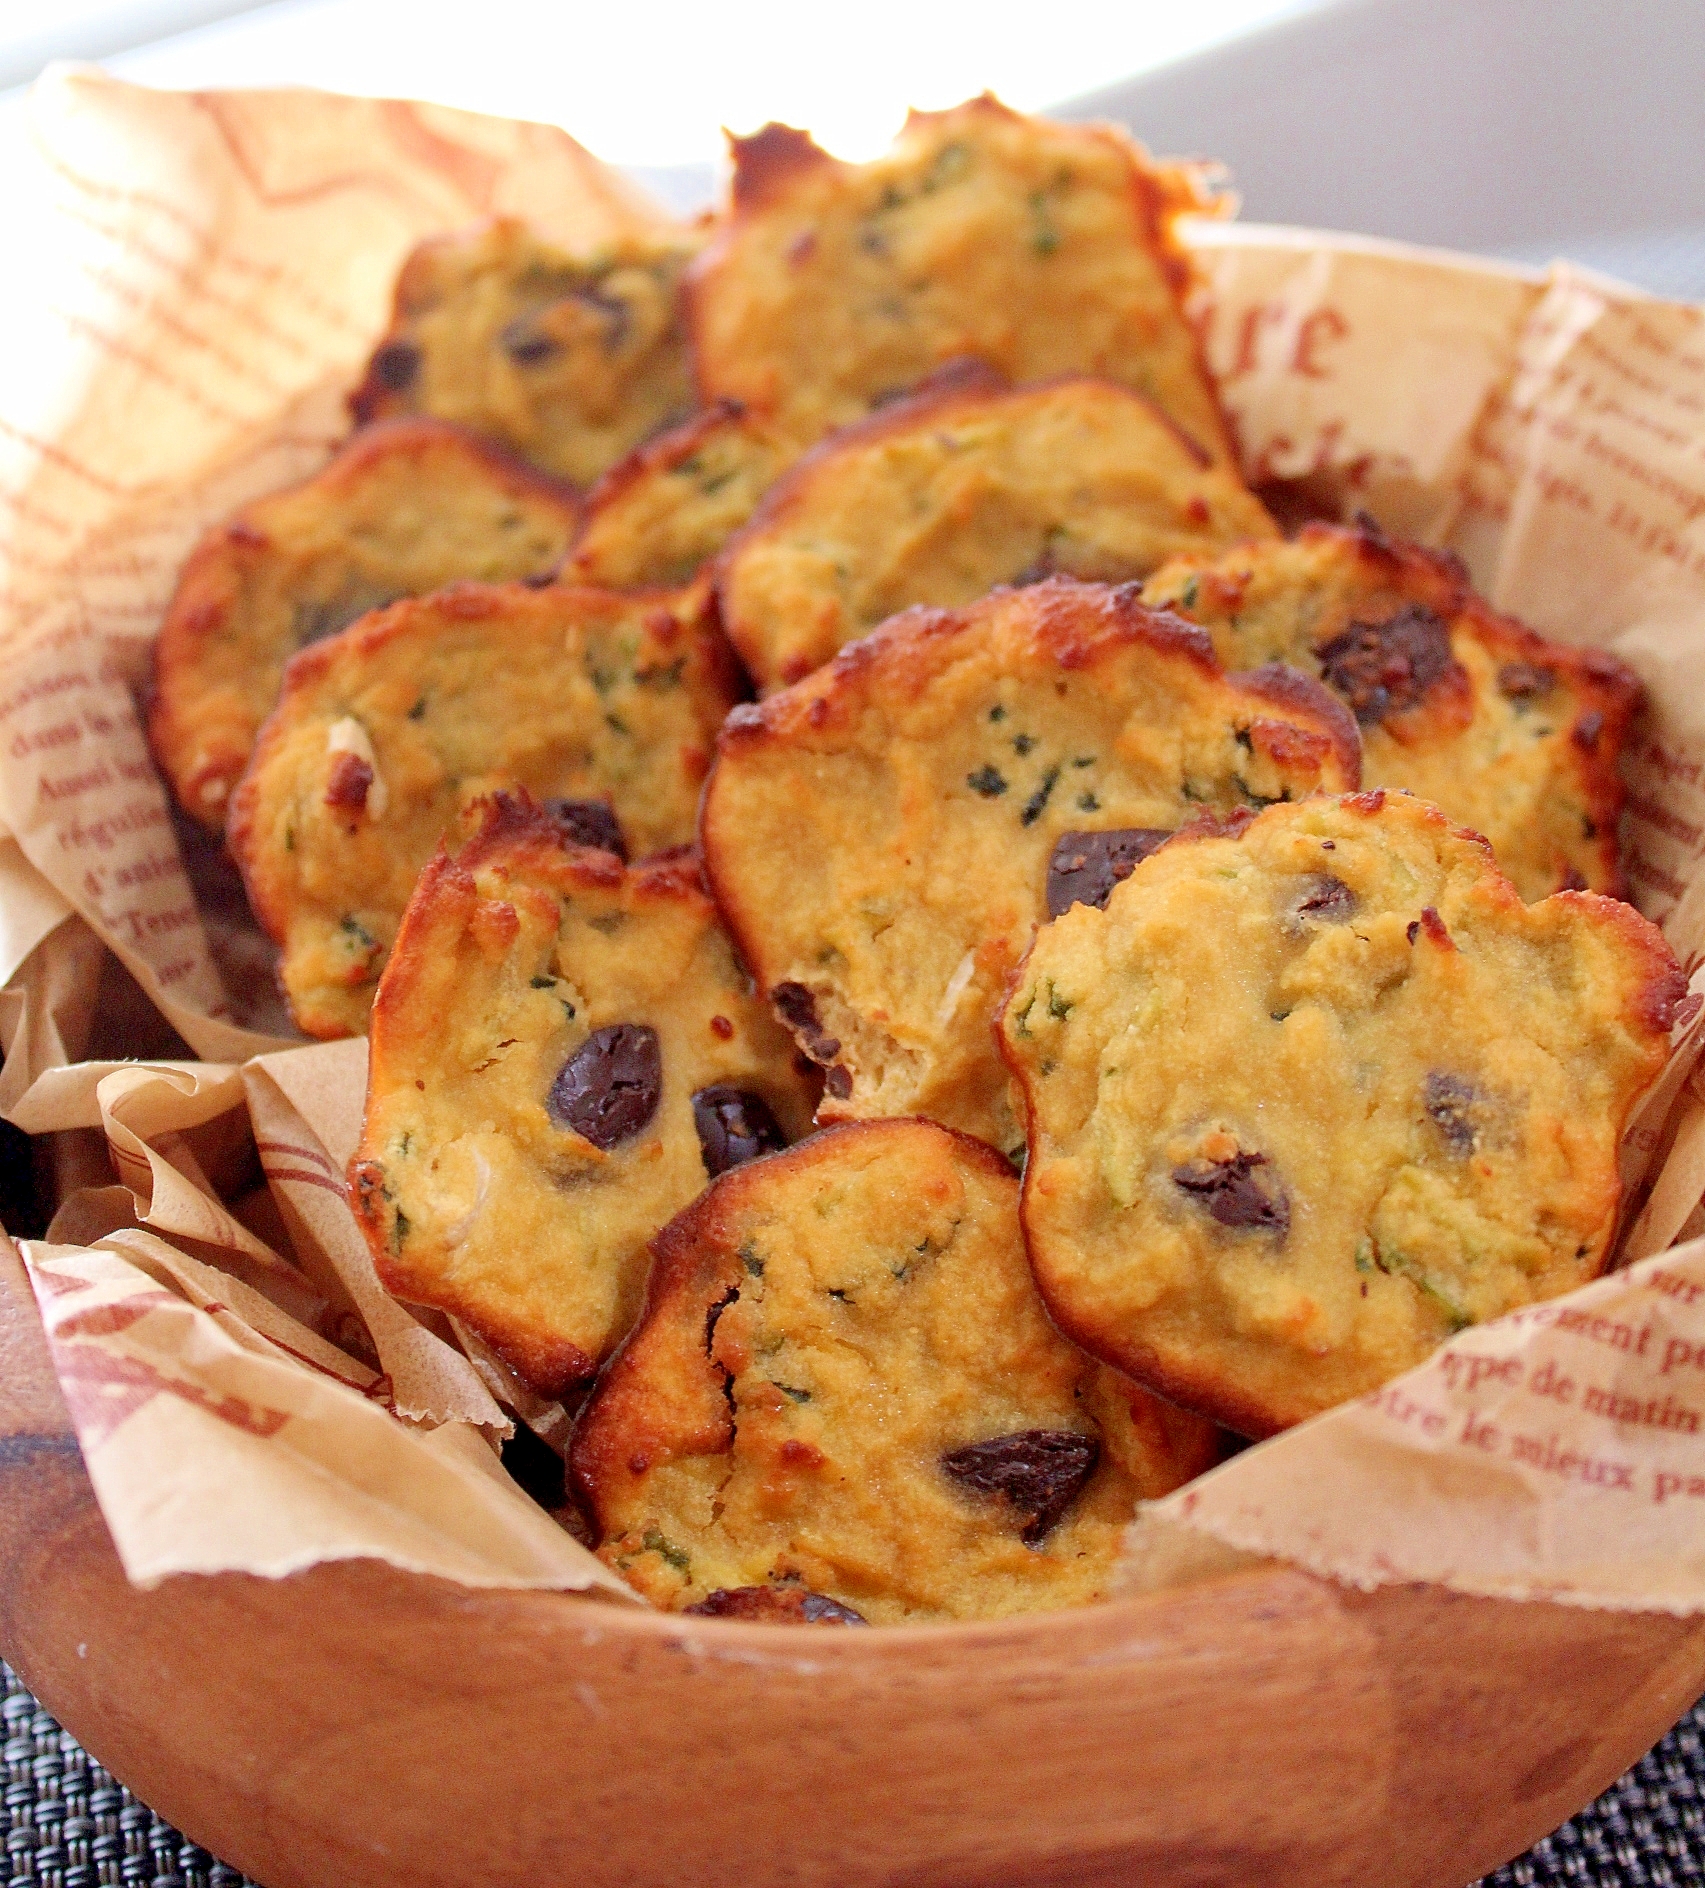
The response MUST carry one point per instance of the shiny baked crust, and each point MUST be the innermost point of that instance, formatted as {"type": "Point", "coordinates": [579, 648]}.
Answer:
{"type": "Point", "coordinates": [1514, 736]}
{"type": "Point", "coordinates": [674, 502]}
{"type": "Point", "coordinates": [842, 1363]}
{"type": "Point", "coordinates": [403, 508]}
{"type": "Point", "coordinates": [384, 734]}
{"type": "Point", "coordinates": [1307, 1098]}
{"type": "Point", "coordinates": [570, 360]}
{"type": "Point", "coordinates": [1039, 248]}
{"type": "Point", "coordinates": [475, 1194]}
{"type": "Point", "coordinates": [879, 835]}
{"type": "Point", "coordinates": [965, 485]}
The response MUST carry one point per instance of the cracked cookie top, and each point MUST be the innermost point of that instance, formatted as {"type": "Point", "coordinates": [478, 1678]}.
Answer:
{"type": "Point", "coordinates": [1036, 247]}
{"type": "Point", "coordinates": [569, 359]}
{"type": "Point", "coordinates": [564, 1051]}
{"type": "Point", "coordinates": [1512, 735]}
{"type": "Point", "coordinates": [845, 1394]}
{"type": "Point", "coordinates": [402, 509]}
{"type": "Point", "coordinates": [967, 484]}
{"type": "Point", "coordinates": [384, 735]}
{"type": "Point", "coordinates": [1308, 1097]}
{"type": "Point", "coordinates": [884, 836]}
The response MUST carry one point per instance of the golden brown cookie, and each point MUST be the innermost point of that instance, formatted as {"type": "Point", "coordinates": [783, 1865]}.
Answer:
{"type": "Point", "coordinates": [845, 1396]}
{"type": "Point", "coordinates": [564, 1051]}
{"type": "Point", "coordinates": [384, 734]}
{"type": "Point", "coordinates": [1039, 248]}
{"type": "Point", "coordinates": [1514, 736]}
{"type": "Point", "coordinates": [673, 503]}
{"type": "Point", "coordinates": [879, 836]}
{"type": "Point", "coordinates": [570, 360]}
{"type": "Point", "coordinates": [1308, 1097]}
{"type": "Point", "coordinates": [968, 484]}
{"type": "Point", "coordinates": [402, 509]}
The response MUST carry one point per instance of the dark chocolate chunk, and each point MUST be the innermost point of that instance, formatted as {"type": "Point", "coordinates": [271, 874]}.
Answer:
{"type": "Point", "coordinates": [838, 1081]}
{"type": "Point", "coordinates": [797, 1007]}
{"type": "Point", "coordinates": [1382, 668]}
{"type": "Point", "coordinates": [1327, 899]}
{"type": "Point", "coordinates": [525, 344]}
{"type": "Point", "coordinates": [1037, 1471]}
{"type": "Point", "coordinates": [734, 1126]}
{"type": "Point", "coordinates": [589, 823]}
{"type": "Point", "coordinates": [1573, 881]}
{"type": "Point", "coordinates": [395, 365]}
{"type": "Point", "coordinates": [610, 1087]}
{"type": "Point", "coordinates": [1236, 1192]}
{"type": "Point", "coordinates": [1086, 866]}
{"type": "Point", "coordinates": [1453, 1103]}
{"type": "Point", "coordinates": [780, 1605]}
{"type": "Point", "coordinates": [1521, 680]}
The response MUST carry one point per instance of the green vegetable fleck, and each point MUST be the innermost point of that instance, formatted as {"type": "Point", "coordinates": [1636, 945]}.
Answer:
{"type": "Point", "coordinates": [1034, 806]}
{"type": "Point", "coordinates": [656, 1543]}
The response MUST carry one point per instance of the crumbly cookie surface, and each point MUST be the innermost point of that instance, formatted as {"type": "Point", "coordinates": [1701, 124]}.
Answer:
{"type": "Point", "coordinates": [1308, 1098]}
{"type": "Point", "coordinates": [1040, 248]}
{"type": "Point", "coordinates": [570, 360]}
{"type": "Point", "coordinates": [881, 836]}
{"type": "Point", "coordinates": [402, 509]}
{"type": "Point", "coordinates": [969, 484]}
{"type": "Point", "coordinates": [1512, 735]}
{"type": "Point", "coordinates": [845, 1394]}
{"type": "Point", "coordinates": [546, 1036]}
{"type": "Point", "coordinates": [385, 734]}
{"type": "Point", "coordinates": [674, 502]}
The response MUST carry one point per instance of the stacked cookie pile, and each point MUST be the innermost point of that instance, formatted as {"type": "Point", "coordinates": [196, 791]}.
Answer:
{"type": "Point", "coordinates": [1255, 898]}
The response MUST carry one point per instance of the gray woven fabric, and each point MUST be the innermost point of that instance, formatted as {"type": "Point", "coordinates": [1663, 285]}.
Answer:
{"type": "Point", "coordinates": [68, 1824]}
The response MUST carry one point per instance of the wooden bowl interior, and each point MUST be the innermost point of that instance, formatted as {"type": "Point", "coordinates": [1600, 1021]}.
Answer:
{"type": "Point", "coordinates": [359, 1727]}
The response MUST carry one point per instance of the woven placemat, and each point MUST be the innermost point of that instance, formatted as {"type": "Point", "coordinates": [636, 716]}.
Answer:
{"type": "Point", "coordinates": [69, 1824]}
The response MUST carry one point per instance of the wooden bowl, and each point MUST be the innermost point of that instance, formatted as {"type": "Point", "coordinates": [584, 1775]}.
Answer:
{"type": "Point", "coordinates": [356, 1727]}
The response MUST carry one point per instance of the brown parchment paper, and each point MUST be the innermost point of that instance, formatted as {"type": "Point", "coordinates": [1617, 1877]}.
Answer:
{"type": "Point", "coordinates": [212, 270]}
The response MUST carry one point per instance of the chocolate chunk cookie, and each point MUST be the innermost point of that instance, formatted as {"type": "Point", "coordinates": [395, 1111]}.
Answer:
{"type": "Point", "coordinates": [544, 1035]}
{"type": "Point", "coordinates": [1039, 248]}
{"type": "Point", "coordinates": [605, 706]}
{"type": "Point", "coordinates": [402, 509]}
{"type": "Point", "coordinates": [570, 360]}
{"type": "Point", "coordinates": [968, 484]}
{"type": "Point", "coordinates": [845, 1401]}
{"type": "Point", "coordinates": [1308, 1098]}
{"type": "Point", "coordinates": [882, 836]}
{"type": "Point", "coordinates": [1516, 737]}
{"type": "Point", "coordinates": [674, 502]}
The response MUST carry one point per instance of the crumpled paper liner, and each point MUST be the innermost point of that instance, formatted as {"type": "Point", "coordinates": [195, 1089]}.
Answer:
{"type": "Point", "coordinates": [208, 273]}
{"type": "Point", "coordinates": [161, 1359]}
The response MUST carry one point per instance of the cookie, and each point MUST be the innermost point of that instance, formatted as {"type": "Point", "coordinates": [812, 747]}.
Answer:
{"type": "Point", "coordinates": [384, 734]}
{"type": "Point", "coordinates": [570, 360]}
{"type": "Point", "coordinates": [845, 1398]}
{"type": "Point", "coordinates": [1307, 1098]}
{"type": "Point", "coordinates": [966, 485]}
{"type": "Point", "coordinates": [674, 502]}
{"type": "Point", "coordinates": [564, 1051]}
{"type": "Point", "coordinates": [1039, 248]}
{"type": "Point", "coordinates": [1514, 736]}
{"type": "Point", "coordinates": [402, 509]}
{"type": "Point", "coordinates": [879, 835]}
